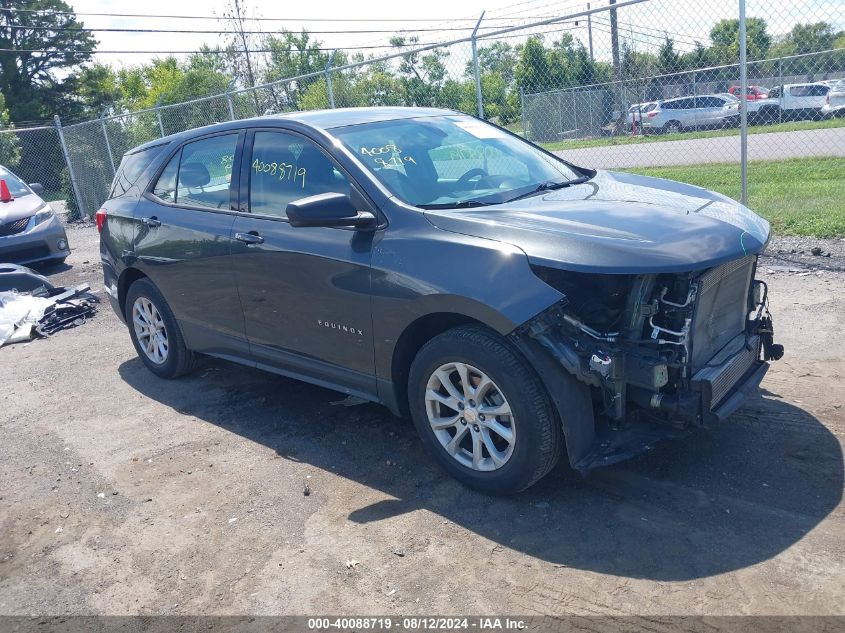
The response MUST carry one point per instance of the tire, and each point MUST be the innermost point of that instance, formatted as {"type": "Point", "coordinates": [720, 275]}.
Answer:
{"type": "Point", "coordinates": [673, 127]}
{"type": "Point", "coordinates": [536, 438]}
{"type": "Point", "coordinates": [177, 360]}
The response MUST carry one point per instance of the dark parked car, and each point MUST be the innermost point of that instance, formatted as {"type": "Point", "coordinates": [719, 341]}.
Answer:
{"type": "Point", "coordinates": [511, 303]}
{"type": "Point", "coordinates": [30, 232]}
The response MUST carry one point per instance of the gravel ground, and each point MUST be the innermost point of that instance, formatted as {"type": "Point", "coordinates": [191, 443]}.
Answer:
{"type": "Point", "coordinates": [124, 494]}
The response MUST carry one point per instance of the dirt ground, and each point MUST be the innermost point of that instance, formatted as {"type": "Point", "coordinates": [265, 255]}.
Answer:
{"type": "Point", "coordinates": [124, 494]}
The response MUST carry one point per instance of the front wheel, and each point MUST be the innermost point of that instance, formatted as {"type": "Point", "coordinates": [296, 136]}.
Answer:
{"type": "Point", "coordinates": [482, 411]}
{"type": "Point", "coordinates": [155, 333]}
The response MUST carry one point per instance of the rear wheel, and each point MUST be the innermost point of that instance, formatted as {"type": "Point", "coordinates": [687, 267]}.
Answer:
{"type": "Point", "coordinates": [482, 411]}
{"type": "Point", "coordinates": [155, 333]}
{"type": "Point", "coordinates": [672, 127]}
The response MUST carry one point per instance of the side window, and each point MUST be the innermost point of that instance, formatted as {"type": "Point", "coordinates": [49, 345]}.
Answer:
{"type": "Point", "coordinates": [284, 168]}
{"type": "Point", "coordinates": [165, 187]}
{"type": "Point", "coordinates": [819, 91]}
{"type": "Point", "coordinates": [799, 91]}
{"type": "Point", "coordinates": [205, 172]}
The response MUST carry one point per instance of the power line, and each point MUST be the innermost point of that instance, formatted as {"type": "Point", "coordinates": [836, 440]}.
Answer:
{"type": "Point", "coordinates": [213, 51]}
{"type": "Point", "coordinates": [224, 31]}
{"type": "Point", "coordinates": [253, 19]}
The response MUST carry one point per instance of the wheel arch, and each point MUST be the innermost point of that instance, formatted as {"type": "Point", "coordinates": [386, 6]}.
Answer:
{"type": "Point", "coordinates": [410, 341]}
{"type": "Point", "coordinates": [128, 277]}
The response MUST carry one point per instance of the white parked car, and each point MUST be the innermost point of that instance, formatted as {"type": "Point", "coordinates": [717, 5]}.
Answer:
{"type": "Point", "coordinates": [835, 100]}
{"type": "Point", "coordinates": [690, 113]}
{"type": "Point", "coordinates": [792, 102]}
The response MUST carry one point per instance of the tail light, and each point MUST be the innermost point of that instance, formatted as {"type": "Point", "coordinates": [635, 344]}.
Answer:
{"type": "Point", "coordinates": [101, 219]}
{"type": "Point", "coordinates": [652, 114]}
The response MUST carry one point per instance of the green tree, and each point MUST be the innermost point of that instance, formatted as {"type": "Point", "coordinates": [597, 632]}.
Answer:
{"type": "Point", "coordinates": [668, 59]}
{"type": "Point", "coordinates": [806, 38]}
{"type": "Point", "coordinates": [532, 71]}
{"type": "Point", "coordinates": [38, 85]}
{"type": "Point", "coordinates": [725, 38]}
{"type": "Point", "coordinates": [10, 150]}
{"type": "Point", "coordinates": [294, 55]}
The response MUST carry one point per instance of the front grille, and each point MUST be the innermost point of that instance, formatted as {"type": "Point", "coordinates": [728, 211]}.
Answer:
{"type": "Point", "coordinates": [721, 308]}
{"type": "Point", "coordinates": [14, 227]}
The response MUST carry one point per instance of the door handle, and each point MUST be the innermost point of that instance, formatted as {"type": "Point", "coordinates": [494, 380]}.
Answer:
{"type": "Point", "coordinates": [249, 238]}
{"type": "Point", "coordinates": [153, 221]}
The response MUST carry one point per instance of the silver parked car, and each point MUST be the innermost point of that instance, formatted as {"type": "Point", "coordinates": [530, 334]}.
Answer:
{"type": "Point", "coordinates": [835, 100]}
{"type": "Point", "coordinates": [689, 113]}
{"type": "Point", "coordinates": [30, 231]}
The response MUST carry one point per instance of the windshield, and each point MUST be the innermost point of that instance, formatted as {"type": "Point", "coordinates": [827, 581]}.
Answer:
{"type": "Point", "coordinates": [452, 161]}
{"type": "Point", "coordinates": [16, 186]}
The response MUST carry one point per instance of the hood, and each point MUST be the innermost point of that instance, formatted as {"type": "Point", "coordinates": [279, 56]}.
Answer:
{"type": "Point", "coordinates": [20, 207]}
{"type": "Point", "coordinates": [618, 223]}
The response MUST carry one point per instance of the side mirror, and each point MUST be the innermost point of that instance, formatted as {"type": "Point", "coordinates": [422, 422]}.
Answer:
{"type": "Point", "coordinates": [37, 188]}
{"type": "Point", "coordinates": [327, 210]}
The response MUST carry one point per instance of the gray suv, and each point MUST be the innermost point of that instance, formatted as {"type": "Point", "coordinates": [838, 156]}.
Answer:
{"type": "Point", "coordinates": [515, 306]}
{"type": "Point", "coordinates": [689, 113]}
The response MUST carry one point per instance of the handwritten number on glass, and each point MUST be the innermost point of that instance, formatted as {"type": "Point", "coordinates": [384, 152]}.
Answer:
{"type": "Point", "coordinates": [286, 172]}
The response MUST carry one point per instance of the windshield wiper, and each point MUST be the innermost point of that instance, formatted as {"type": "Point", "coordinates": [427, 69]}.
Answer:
{"type": "Point", "coordinates": [549, 185]}
{"type": "Point", "coordinates": [460, 204]}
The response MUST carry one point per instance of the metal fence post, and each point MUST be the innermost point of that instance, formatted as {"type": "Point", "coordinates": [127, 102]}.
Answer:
{"type": "Point", "coordinates": [158, 116]}
{"type": "Point", "coordinates": [780, 84]}
{"type": "Point", "coordinates": [229, 100]}
{"type": "Point", "coordinates": [574, 114]}
{"type": "Point", "coordinates": [743, 104]}
{"type": "Point", "coordinates": [328, 71]}
{"type": "Point", "coordinates": [108, 143]}
{"type": "Point", "coordinates": [522, 111]}
{"type": "Point", "coordinates": [475, 68]}
{"type": "Point", "coordinates": [695, 94]}
{"type": "Point", "coordinates": [66, 154]}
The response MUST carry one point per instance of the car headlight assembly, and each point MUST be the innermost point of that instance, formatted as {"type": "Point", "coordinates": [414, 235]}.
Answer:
{"type": "Point", "coordinates": [42, 215]}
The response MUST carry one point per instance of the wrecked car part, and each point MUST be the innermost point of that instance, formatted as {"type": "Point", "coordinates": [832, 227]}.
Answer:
{"type": "Point", "coordinates": [23, 316]}
{"type": "Point", "coordinates": [24, 280]}
{"type": "Point", "coordinates": [686, 351]}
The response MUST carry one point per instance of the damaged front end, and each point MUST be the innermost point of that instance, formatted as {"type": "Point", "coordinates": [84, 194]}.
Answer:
{"type": "Point", "coordinates": [662, 353]}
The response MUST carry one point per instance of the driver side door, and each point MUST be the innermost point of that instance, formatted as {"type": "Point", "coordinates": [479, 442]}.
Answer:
{"type": "Point", "coordinates": [305, 291]}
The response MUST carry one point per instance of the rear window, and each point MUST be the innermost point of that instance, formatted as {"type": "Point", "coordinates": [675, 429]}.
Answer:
{"type": "Point", "coordinates": [131, 168]}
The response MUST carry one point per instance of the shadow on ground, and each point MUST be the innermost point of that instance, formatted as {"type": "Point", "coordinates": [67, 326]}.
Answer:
{"type": "Point", "coordinates": [707, 504]}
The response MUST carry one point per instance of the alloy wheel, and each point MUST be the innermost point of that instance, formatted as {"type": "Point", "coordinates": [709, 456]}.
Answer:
{"type": "Point", "coordinates": [150, 330]}
{"type": "Point", "coordinates": [470, 416]}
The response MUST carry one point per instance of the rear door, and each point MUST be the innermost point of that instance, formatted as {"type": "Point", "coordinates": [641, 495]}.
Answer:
{"type": "Point", "coordinates": [305, 291]}
{"type": "Point", "coordinates": [183, 241]}
{"type": "Point", "coordinates": [685, 112]}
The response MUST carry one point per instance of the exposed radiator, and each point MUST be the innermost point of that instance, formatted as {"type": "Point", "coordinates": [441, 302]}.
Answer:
{"type": "Point", "coordinates": [721, 308]}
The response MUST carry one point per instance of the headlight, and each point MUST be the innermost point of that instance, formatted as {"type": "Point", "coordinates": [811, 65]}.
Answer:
{"type": "Point", "coordinates": [42, 215]}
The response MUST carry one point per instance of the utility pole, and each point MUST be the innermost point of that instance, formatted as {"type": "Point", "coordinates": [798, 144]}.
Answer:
{"type": "Point", "coordinates": [590, 32]}
{"type": "Point", "coordinates": [617, 66]}
{"type": "Point", "coordinates": [743, 105]}
{"type": "Point", "coordinates": [475, 69]}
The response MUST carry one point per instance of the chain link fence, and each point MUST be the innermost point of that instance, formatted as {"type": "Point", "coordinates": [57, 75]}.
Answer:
{"type": "Point", "coordinates": [647, 85]}
{"type": "Point", "coordinates": [35, 155]}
